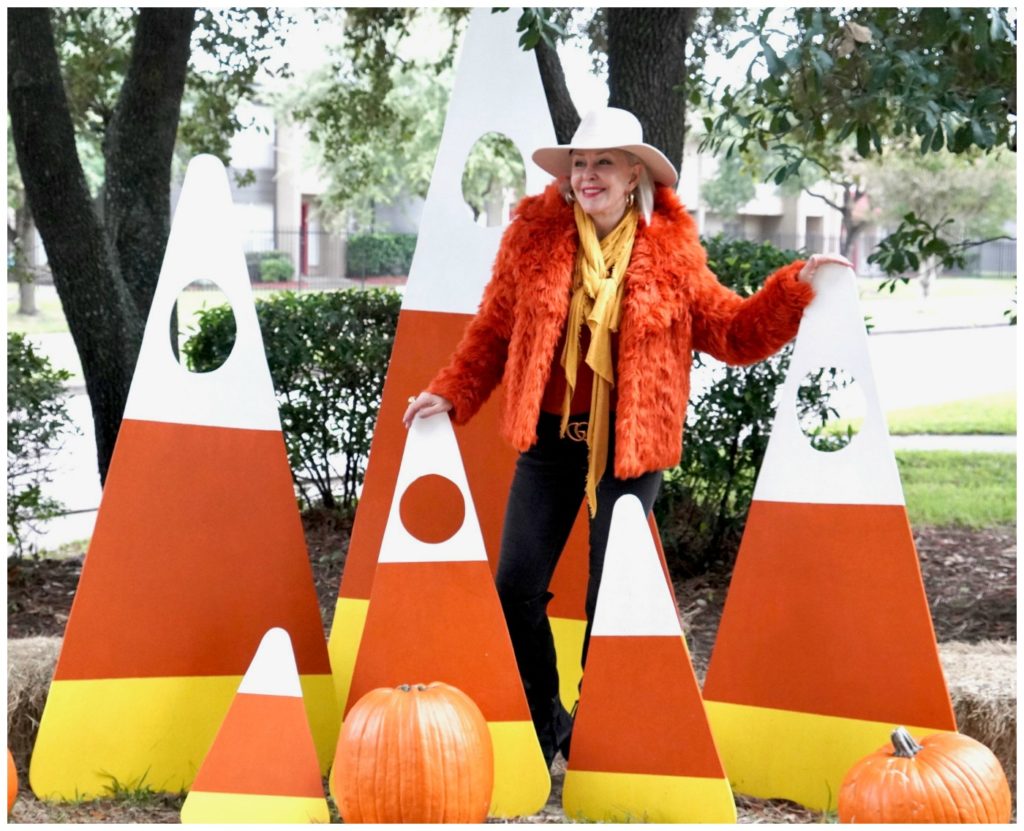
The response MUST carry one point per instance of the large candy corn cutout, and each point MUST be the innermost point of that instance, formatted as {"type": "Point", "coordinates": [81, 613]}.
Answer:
{"type": "Point", "coordinates": [826, 640]}
{"type": "Point", "coordinates": [434, 613]}
{"type": "Point", "coordinates": [262, 766]}
{"type": "Point", "coordinates": [641, 748]}
{"type": "Point", "coordinates": [198, 548]}
{"type": "Point", "coordinates": [497, 88]}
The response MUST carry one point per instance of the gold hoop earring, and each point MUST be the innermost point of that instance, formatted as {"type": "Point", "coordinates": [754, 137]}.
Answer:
{"type": "Point", "coordinates": [569, 197]}
{"type": "Point", "coordinates": [631, 199]}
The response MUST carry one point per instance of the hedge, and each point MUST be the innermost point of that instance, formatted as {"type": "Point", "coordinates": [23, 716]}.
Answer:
{"type": "Point", "coordinates": [379, 254]}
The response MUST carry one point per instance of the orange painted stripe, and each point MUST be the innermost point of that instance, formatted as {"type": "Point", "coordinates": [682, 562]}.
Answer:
{"type": "Point", "coordinates": [264, 746]}
{"type": "Point", "coordinates": [827, 614]}
{"type": "Point", "coordinates": [424, 343]}
{"type": "Point", "coordinates": [439, 622]}
{"type": "Point", "coordinates": [198, 550]}
{"type": "Point", "coordinates": [641, 711]}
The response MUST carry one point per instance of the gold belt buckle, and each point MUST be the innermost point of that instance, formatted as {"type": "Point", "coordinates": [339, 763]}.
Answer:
{"type": "Point", "coordinates": [576, 430]}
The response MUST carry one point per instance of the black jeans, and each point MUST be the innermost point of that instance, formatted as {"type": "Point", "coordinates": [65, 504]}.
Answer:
{"type": "Point", "coordinates": [544, 499]}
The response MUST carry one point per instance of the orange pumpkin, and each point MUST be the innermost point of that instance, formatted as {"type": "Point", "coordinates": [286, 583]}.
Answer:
{"type": "Point", "coordinates": [947, 777]}
{"type": "Point", "coordinates": [414, 753]}
{"type": "Point", "coordinates": [12, 781]}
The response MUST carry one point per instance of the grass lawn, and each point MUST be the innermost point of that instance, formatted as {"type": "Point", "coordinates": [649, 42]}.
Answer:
{"type": "Point", "coordinates": [995, 287]}
{"type": "Point", "coordinates": [953, 301]}
{"type": "Point", "coordinates": [987, 415]}
{"type": "Point", "coordinates": [993, 415]}
{"type": "Point", "coordinates": [50, 315]}
{"type": "Point", "coordinates": [944, 487]}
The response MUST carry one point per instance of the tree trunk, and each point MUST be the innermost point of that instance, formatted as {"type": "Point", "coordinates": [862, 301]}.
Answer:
{"type": "Point", "coordinates": [552, 76]}
{"type": "Point", "coordinates": [138, 147]}
{"type": "Point", "coordinates": [26, 295]}
{"type": "Point", "coordinates": [646, 62]}
{"type": "Point", "coordinates": [24, 269]}
{"type": "Point", "coordinates": [104, 316]}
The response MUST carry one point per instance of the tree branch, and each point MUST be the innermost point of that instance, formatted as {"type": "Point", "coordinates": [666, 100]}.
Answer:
{"type": "Point", "coordinates": [824, 199]}
{"type": "Point", "coordinates": [965, 244]}
{"type": "Point", "coordinates": [560, 105]}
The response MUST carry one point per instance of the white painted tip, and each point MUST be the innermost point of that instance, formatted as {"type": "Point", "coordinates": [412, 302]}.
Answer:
{"type": "Point", "coordinates": [205, 164]}
{"type": "Point", "coordinates": [431, 449]}
{"type": "Point", "coordinates": [634, 598]}
{"type": "Point", "coordinates": [204, 245]}
{"type": "Point", "coordinates": [831, 334]}
{"type": "Point", "coordinates": [273, 670]}
{"type": "Point", "coordinates": [497, 89]}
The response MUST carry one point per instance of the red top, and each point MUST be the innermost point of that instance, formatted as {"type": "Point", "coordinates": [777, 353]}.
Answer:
{"type": "Point", "coordinates": [554, 392]}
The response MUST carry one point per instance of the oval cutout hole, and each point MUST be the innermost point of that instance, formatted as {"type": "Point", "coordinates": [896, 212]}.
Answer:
{"type": "Point", "coordinates": [830, 408]}
{"type": "Point", "coordinates": [493, 179]}
{"type": "Point", "coordinates": [206, 348]}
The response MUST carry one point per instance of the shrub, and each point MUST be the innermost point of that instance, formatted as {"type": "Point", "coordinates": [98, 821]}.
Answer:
{"type": "Point", "coordinates": [328, 354]}
{"type": "Point", "coordinates": [377, 254]}
{"type": "Point", "coordinates": [254, 262]}
{"type": "Point", "coordinates": [703, 503]}
{"type": "Point", "coordinates": [276, 270]}
{"type": "Point", "coordinates": [37, 423]}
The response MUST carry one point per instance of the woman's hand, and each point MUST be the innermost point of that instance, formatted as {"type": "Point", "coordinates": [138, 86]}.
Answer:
{"type": "Point", "coordinates": [423, 405]}
{"type": "Point", "coordinates": [806, 274]}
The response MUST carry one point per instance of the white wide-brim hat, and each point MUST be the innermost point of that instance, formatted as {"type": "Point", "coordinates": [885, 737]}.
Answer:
{"type": "Point", "coordinates": [607, 129]}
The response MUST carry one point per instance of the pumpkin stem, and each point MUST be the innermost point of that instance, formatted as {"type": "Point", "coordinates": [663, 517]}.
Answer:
{"type": "Point", "coordinates": [904, 745]}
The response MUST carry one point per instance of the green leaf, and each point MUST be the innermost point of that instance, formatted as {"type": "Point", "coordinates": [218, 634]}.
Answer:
{"type": "Point", "coordinates": [775, 66]}
{"type": "Point", "coordinates": [863, 140]}
{"type": "Point", "coordinates": [981, 135]}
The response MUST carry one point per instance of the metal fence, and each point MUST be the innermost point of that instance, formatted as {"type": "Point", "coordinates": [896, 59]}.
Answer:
{"type": "Point", "coordinates": [315, 260]}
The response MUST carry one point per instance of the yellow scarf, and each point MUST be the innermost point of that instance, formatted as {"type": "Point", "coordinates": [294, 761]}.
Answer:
{"type": "Point", "coordinates": [596, 300]}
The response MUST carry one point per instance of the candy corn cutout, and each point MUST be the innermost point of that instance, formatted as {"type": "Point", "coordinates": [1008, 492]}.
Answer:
{"type": "Point", "coordinates": [497, 89]}
{"type": "Point", "coordinates": [198, 548]}
{"type": "Point", "coordinates": [434, 614]}
{"type": "Point", "coordinates": [826, 640]}
{"type": "Point", "coordinates": [262, 767]}
{"type": "Point", "coordinates": [641, 747]}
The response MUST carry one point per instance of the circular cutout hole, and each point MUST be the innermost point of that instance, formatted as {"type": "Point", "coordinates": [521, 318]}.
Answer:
{"type": "Point", "coordinates": [432, 509]}
{"type": "Point", "coordinates": [203, 329]}
{"type": "Point", "coordinates": [830, 408]}
{"type": "Point", "coordinates": [493, 179]}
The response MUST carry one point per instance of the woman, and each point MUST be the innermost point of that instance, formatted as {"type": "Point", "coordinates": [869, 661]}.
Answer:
{"type": "Point", "coordinates": [599, 294]}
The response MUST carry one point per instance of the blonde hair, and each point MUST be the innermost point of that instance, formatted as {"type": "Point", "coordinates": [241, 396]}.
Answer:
{"type": "Point", "coordinates": [644, 192]}
{"type": "Point", "coordinates": [644, 188]}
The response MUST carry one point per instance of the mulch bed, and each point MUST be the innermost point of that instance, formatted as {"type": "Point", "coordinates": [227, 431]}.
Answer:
{"type": "Point", "coordinates": [970, 577]}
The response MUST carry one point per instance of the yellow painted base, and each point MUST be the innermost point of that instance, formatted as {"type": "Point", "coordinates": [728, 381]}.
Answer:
{"type": "Point", "coordinates": [202, 807]}
{"type": "Point", "coordinates": [568, 635]}
{"type": "Point", "coordinates": [639, 797]}
{"type": "Point", "coordinates": [522, 783]}
{"type": "Point", "coordinates": [343, 644]}
{"type": "Point", "coordinates": [782, 754]}
{"type": "Point", "coordinates": [148, 732]}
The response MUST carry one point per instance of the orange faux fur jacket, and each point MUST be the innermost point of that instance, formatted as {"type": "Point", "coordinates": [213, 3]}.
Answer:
{"type": "Point", "coordinates": [672, 305]}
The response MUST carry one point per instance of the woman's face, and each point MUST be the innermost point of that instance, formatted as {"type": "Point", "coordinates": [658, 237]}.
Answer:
{"type": "Point", "coordinates": [601, 180]}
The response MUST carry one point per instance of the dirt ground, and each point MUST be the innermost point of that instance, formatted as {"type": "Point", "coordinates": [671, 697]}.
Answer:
{"type": "Point", "coordinates": [970, 578]}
